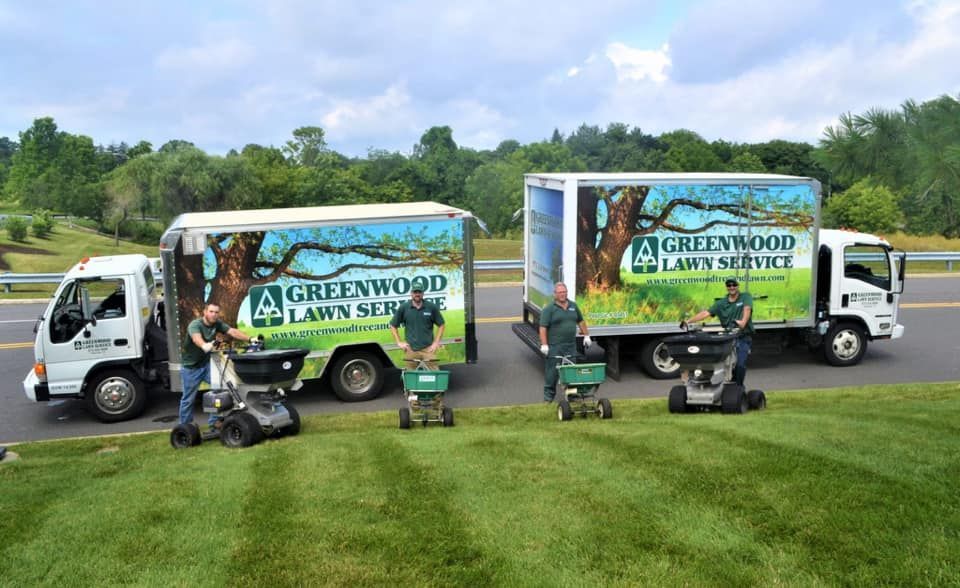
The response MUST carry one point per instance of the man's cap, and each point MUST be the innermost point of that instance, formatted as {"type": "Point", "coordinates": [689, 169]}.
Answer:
{"type": "Point", "coordinates": [732, 282]}
{"type": "Point", "coordinates": [418, 285]}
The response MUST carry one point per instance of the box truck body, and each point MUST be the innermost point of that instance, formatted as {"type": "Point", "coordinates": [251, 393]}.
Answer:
{"type": "Point", "coordinates": [327, 279]}
{"type": "Point", "coordinates": [640, 252]}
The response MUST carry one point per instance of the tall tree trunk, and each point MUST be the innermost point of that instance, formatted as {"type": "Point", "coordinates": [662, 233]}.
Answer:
{"type": "Point", "coordinates": [235, 273]}
{"type": "Point", "coordinates": [600, 262]}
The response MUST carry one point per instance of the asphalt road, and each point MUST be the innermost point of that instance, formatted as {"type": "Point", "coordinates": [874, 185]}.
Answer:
{"type": "Point", "coordinates": [509, 373]}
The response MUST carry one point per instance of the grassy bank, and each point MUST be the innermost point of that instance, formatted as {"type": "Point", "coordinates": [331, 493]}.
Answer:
{"type": "Point", "coordinates": [846, 486]}
{"type": "Point", "coordinates": [56, 254]}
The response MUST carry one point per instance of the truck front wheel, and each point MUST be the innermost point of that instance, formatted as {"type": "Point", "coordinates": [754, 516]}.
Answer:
{"type": "Point", "coordinates": [844, 344]}
{"type": "Point", "coordinates": [656, 361]}
{"type": "Point", "coordinates": [116, 395]}
{"type": "Point", "coordinates": [357, 376]}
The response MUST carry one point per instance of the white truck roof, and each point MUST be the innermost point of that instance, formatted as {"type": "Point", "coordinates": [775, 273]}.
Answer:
{"type": "Point", "coordinates": [605, 178]}
{"type": "Point", "coordinates": [312, 215]}
{"type": "Point", "coordinates": [107, 265]}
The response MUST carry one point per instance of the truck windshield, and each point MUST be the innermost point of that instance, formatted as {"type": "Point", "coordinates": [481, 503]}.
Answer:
{"type": "Point", "coordinates": [867, 263]}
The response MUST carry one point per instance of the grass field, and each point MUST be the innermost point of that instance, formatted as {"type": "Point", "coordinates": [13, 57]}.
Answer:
{"type": "Point", "coordinates": [830, 487]}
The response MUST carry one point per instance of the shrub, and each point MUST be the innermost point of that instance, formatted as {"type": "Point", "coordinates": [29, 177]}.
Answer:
{"type": "Point", "coordinates": [42, 224]}
{"type": "Point", "coordinates": [16, 227]}
{"type": "Point", "coordinates": [866, 206]}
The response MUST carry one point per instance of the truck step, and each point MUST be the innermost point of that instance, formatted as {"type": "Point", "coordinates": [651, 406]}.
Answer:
{"type": "Point", "coordinates": [528, 334]}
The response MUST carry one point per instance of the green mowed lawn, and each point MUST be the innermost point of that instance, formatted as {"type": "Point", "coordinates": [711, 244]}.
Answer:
{"type": "Point", "coordinates": [831, 487]}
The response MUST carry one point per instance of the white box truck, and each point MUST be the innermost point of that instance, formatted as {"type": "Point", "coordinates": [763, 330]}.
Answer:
{"type": "Point", "coordinates": [327, 279]}
{"type": "Point", "coordinates": [641, 251]}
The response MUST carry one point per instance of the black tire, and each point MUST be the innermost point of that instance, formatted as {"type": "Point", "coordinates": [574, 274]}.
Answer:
{"type": "Point", "coordinates": [677, 401]}
{"type": "Point", "coordinates": [184, 436]}
{"type": "Point", "coordinates": [733, 399]}
{"type": "Point", "coordinates": [293, 428]}
{"type": "Point", "coordinates": [756, 399]}
{"type": "Point", "coordinates": [563, 411]}
{"type": "Point", "coordinates": [447, 416]}
{"type": "Point", "coordinates": [357, 376]}
{"type": "Point", "coordinates": [116, 395]}
{"type": "Point", "coordinates": [656, 361]}
{"type": "Point", "coordinates": [605, 408]}
{"type": "Point", "coordinates": [845, 344]}
{"type": "Point", "coordinates": [240, 430]}
{"type": "Point", "coordinates": [404, 418]}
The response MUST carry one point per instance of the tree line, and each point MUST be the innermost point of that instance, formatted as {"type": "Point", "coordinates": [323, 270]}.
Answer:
{"type": "Point", "coordinates": [881, 170]}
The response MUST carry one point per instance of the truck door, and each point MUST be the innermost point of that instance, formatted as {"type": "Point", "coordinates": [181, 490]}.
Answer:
{"type": "Point", "coordinates": [867, 287]}
{"type": "Point", "coordinates": [91, 322]}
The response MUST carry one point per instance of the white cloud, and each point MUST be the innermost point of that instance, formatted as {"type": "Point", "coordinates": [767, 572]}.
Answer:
{"type": "Point", "coordinates": [639, 64]}
{"type": "Point", "coordinates": [387, 111]}
{"type": "Point", "coordinates": [797, 95]}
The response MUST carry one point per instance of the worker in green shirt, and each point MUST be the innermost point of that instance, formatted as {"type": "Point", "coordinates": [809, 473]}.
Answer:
{"type": "Point", "coordinates": [195, 358]}
{"type": "Point", "coordinates": [735, 311]}
{"type": "Point", "coordinates": [558, 336]}
{"type": "Point", "coordinates": [418, 316]}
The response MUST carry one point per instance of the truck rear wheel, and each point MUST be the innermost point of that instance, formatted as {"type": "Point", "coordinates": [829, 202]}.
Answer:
{"type": "Point", "coordinates": [845, 344]}
{"type": "Point", "coordinates": [357, 376]}
{"type": "Point", "coordinates": [116, 395]}
{"type": "Point", "coordinates": [656, 361]}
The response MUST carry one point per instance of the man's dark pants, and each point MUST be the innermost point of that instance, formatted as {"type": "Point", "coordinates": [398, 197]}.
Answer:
{"type": "Point", "coordinates": [550, 373]}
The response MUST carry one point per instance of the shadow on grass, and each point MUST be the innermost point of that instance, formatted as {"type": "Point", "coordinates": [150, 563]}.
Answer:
{"type": "Point", "coordinates": [4, 249]}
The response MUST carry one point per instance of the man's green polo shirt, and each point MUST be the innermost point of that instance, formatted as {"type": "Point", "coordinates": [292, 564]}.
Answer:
{"type": "Point", "coordinates": [191, 355]}
{"type": "Point", "coordinates": [418, 323]}
{"type": "Point", "coordinates": [728, 312]}
{"type": "Point", "coordinates": [561, 324]}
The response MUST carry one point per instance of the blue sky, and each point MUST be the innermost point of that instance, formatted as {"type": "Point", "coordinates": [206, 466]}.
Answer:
{"type": "Point", "coordinates": [378, 74]}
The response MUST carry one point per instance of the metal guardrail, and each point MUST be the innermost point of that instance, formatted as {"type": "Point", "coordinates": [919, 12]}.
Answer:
{"type": "Point", "coordinates": [7, 280]}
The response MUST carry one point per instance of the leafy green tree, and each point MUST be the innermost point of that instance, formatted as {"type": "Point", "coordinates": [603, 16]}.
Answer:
{"type": "Point", "coordinates": [309, 149]}
{"type": "Point", "coordinates": [914, 151]}
{"type": "Point", "coordinates": [55, 170]}
{"type": "Point", "coordinates": [16, 227]}
{"type": "Point", "coordinates": [746, 162]}
{"type": "Point", "coordinates": [688, 152]}
{"type": "Point", "coordinates": [141, 148]}
{"type": "Point", "coordinates": [865, 206]}
{"type": "Point", "coordinates": [441, 167]}
{"type": "Point", "coordinates": [41, 223]}
{"type": "Point", "coordinates": [274, 174]}
{"type": "Point", "coordinates": [174, 145]}
{"type": "Point", "coordinates": [7, 149]}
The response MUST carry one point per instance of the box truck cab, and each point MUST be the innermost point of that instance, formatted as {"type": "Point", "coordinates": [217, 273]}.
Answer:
{"type": "Point", "coordinates": [90, 339]}
{"type": "Point", "coordinates": [639, 252]}
{"type": "Point", "coordinates": [325, 279]}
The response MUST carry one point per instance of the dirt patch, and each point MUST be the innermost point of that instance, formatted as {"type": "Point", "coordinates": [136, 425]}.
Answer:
{"type": "Point", "coordinates": [4, 249]}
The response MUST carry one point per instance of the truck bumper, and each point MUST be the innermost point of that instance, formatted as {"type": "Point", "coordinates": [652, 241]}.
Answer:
{"type": "Point", "coordinates": [897, 331]}
{"type": "Point", "coordinates": [35, 390]}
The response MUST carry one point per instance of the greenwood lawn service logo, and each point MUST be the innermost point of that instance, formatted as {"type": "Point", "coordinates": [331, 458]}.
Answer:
{"type": "Point", "coordinates": [267, 305]}
{"type": "Point", "coordinates": [645, 255]}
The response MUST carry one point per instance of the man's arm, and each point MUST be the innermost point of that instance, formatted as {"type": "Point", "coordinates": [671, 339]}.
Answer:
{"type": "Point", "coordinates": [396, 338]}
{"type": "Point", "coordinates": [197, 339]}
{"type": "Point", "coordinates": [703, 314]}
{"type": "Point", "coordinates": [745, 316]}
{"type": "Point", "coordinates": [238, 334]}
{"type": "Point", "coordinates": [436, 340]}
